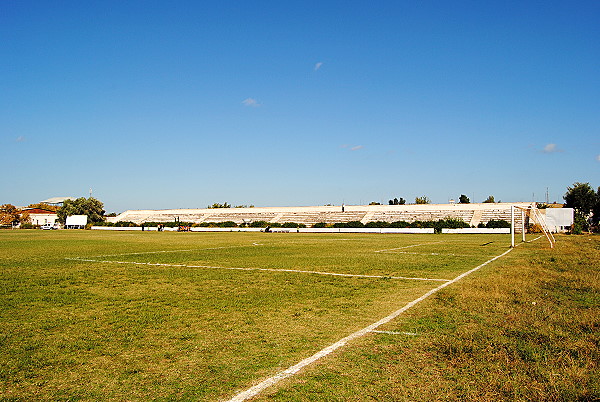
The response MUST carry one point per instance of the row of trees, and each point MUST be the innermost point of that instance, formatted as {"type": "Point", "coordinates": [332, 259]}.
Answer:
{"type": "Point", "coordinates": [451, 223]}
{"type": "Point", "coordinates": [227, 205]}
{"type": "Point", "coordinates": [463, 199]}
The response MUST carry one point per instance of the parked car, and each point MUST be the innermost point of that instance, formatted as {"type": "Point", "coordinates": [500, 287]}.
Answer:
{"type": "Point", "coordinates": [49, 226]}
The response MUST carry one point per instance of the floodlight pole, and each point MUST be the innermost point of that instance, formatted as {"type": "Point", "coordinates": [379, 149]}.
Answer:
{"type": "Point", "coordinates": [512, 226]}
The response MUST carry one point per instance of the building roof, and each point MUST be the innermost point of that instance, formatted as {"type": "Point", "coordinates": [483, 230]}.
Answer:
{"type": "Point", "coordinates": [57, 200]}
{"type": "Point", "coordinates": [38, 211]}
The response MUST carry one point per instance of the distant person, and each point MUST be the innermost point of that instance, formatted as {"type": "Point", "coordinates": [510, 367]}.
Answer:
{"type": "Point", "coordinates": [343, 207]}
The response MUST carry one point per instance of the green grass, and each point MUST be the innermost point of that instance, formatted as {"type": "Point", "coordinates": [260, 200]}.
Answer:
{"type": "Point", "coordinates": [525, 328]}
{"type": "Point", "coordinates": [111, 329]}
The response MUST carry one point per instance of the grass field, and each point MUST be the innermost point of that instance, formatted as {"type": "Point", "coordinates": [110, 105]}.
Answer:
{"type": "Point", "coordinates": [201, 316]}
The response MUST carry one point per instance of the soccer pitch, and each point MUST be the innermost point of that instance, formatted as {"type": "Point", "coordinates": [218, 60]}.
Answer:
{"type": "Point", "coordinates": [122, 315]}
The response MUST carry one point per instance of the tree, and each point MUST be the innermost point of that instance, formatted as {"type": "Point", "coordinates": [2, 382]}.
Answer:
{"type": "Point", "coordinates": [463, 199]}
{"type": "Point", "coordinates": [582, 198]}
{"type": "Point", "coordinates": [596, 210]}
{"type": "Point", "coordinates": [397, 201]}
{"type": "Point", "coordinates": [422, 200]}
{"type": "Point", "coordinates": [217, 205]}
{"type": "Point", "coordinates": [91, 207]}
{"type": "Point", "coordinates": [490, 200]}
{"type": "Point", "coordinates": [45, 206]}
{"type": "Point", "coordinates": [374, 203]}
{"type": "Point", "coordinates": [25, 217]}
{"type": "Point", "coordinates": [9, 214]}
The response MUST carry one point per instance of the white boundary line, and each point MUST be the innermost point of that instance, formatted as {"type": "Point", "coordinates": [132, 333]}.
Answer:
{"type": "Point", "coordinates": [395, 333]}
{"type": "Point", "coordinates": [413, 245]}
{"type": "Point", "coordinates": [175, 251]}
{"type": "Point", "coordinates": [255, 390]}
{"type": "Point", "coordinates": [436, 254]}
{"type": "Point", "coordinates": [259, 269]}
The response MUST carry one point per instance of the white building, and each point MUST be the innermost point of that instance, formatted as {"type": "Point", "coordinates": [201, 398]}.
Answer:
{"type": "Point", "coordinates": [40, 216]}
{"type": "Point", "coordinates": [76, 222]}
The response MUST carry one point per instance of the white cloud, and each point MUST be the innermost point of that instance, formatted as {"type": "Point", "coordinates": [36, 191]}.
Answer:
{"type": "Point", "coordinates": [251, 102]}
{"type": "Point", "coordinates": [550, 148]}
{"type": "Point", "coordinates": [598, 158]}
{"type": "Point", "coordinates": [352, 147]}
{"type": "Point", "coordinates": [318, 65]}
{"type": "Point", "coordinates": [20, 138]}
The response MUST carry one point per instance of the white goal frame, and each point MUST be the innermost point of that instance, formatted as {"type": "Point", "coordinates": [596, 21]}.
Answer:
{"type": "Point", "coordinates": [532, 212]}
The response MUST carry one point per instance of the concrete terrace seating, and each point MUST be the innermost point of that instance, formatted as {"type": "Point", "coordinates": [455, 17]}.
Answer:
{"type": "Point", "coordinates": [310, 218]}
{"type": "Point", "coordinates": [473, 214]}
{"type": "Point", "coordinates": [238, 218]}
{"type": "Point", "coordinates": [420, 215]}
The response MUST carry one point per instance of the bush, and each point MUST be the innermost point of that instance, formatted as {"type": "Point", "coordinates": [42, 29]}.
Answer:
{"type": "Point", "coordinates": [377, 224]}
{"type": "Point", "coordinates": [226, 224]}
{"type": "Point", "coordinates": [259, 224]}
{"type": "Point", "coordinates": [579, 225]}
{"type": "Point", "coordinates": [320, 225]}
{"type": "Point", "coordinates": [452, 223]}
{"type": "Point", "coordinates": [27, 226]}
{"type": "Point", "coordinates": [449, 223]}
{"type": "Point", "coordinates": [126, 224]}
{"type": "Point", "coordinates": [497, 223]}
{"type": "Point", "coordinates": [293, 225]}
{"type": "Point", "coordinates": [422, 224]}
{"type": "Point", "coordinates": [351, 224]}
{"type": "Point", "coordinates": [400, 224]}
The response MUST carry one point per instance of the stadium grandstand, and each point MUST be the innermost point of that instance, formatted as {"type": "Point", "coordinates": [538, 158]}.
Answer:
{"type": "Point", "coordinates": [472, 214]}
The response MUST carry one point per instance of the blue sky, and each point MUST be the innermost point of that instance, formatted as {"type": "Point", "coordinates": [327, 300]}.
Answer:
{"type": "Point", "coordinates": [182, 104]}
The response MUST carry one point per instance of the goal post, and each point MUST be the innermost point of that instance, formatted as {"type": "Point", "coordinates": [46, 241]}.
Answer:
{"type": "Point", "coordinates": [531, 212]}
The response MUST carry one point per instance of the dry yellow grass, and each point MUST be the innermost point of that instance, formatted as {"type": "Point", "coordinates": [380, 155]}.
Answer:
{"type": "Point", "coordinates": [524, 328]}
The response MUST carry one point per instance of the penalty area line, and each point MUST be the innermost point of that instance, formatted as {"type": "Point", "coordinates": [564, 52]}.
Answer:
{"type": "Point", "coordinates": [174, 251]}
{"type": "Point", "coordinates": [412, 245]}
{"type": "Point", "coordinates": [158, 264]}
{"type": "Point", "coordinates": [256, 389]}
{"type": "Point", "coordinates": [436, 254]}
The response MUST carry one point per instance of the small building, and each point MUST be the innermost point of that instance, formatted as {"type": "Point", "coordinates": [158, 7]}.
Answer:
{"type": "Point", "coordinates": [558, 220]}
{"type": "Point", "coordinates": [76, 222]}
{"type": "Point", "coordinates": [40, 216]}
